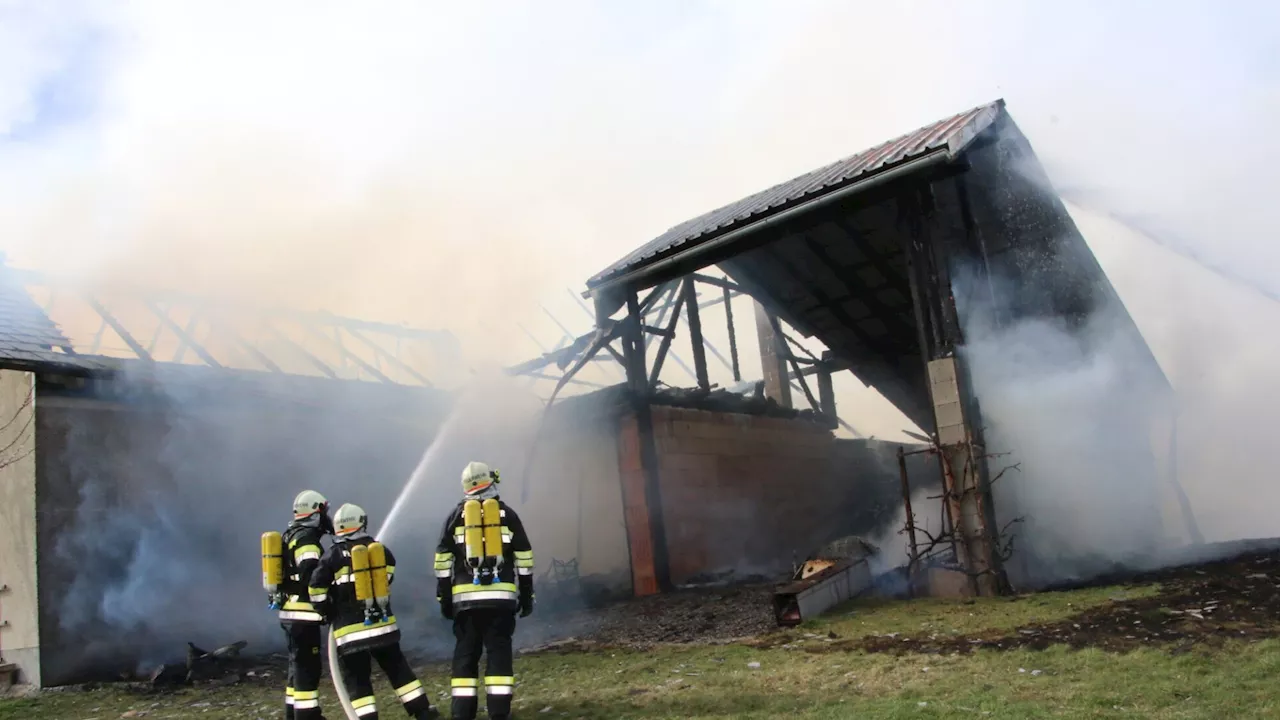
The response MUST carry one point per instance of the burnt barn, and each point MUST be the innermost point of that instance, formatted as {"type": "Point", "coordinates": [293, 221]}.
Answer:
{"type": "Point", "coordinates": [888, 259]}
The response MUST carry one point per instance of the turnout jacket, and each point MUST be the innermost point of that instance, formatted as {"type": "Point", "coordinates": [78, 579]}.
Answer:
{"type": "Point", "coordinates": [301, 557]}
{"type": "Point", "coordinates": [510, 588]}
{"type": "Point", "coordinates": [333, 591]}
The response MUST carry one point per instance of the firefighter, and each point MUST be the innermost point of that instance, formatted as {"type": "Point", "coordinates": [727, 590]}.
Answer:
{"type": "Point", "coordinates": [481, 589]}
{"type": "Point", "coordinates": [365, 632]}
{"type": "Point", "coordinates": [298, 617]}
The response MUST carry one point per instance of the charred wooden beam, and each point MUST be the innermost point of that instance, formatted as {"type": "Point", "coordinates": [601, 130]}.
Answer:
{"type": "Point", "coordinates": [391, 359]}
{"type": "Point", "coordinates": [344, 352]}
{"type": "Point", "coordinates": [724, 283]}
{"type": "Point", "coordinates": [244, 344]}
{"type": "Point", "coordinates": [665, 346]}
{"type": "Point", "coordinates": [570, 381]}
{"type": "Point", "coordinates": [188, 340]}
{"type": "Point", "coordinates": [638, 379]}
{"type": "Point", "coordinates": [695, 335]}
{"type": "Point", "coordinates": [804, 386]}
{"type": "Point", "coordinates": [826, 393]}
{"type": "Point", "coordinates": [120, 330]}
{"type": "Point", "coordinates": [319, 364]}
{"type": "Point", "coordinates": [733, 340]}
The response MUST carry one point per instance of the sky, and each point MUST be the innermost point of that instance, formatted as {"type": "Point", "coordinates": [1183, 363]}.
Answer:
{"type": "Point", "coordinates": [458, 165]}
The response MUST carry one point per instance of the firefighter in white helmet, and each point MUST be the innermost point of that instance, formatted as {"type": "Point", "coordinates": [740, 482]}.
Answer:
{"type": "Point", "coordinates": [363, 640]}
{"type": "Point", "coordinates": [300, 619]}
{"type": "Point", "coordinates": [481, 589]}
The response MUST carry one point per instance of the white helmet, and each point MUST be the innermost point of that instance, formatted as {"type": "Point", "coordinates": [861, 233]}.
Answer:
{"type": "Point", "coordinates": [308, 503]}
{"type": "Point", "coordinates": [479, 481]}
{"type": "Point", "coordinates": [350, 519]}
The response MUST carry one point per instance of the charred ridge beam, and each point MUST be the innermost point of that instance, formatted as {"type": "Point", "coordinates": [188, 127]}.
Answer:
{"type": "Point", "coordinates": [200, 351]}
{"type": "Point", "coordinates": [733, 339]}
{"type": "Point", "coordinates": [665, 346]}
{"type": "Point", "coordinates": [110, 319]}
{"type": "Point", "coordinates": [695, 334]}
{"type": "Point", "coordinates": [320, 365]}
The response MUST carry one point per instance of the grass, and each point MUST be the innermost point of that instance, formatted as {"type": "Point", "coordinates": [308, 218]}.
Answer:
{"type": "Point", "coordinates": [1235, 681]}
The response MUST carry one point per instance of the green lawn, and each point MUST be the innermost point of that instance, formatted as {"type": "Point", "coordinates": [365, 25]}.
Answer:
{"type": "Point", "coordinates": [806, 673]}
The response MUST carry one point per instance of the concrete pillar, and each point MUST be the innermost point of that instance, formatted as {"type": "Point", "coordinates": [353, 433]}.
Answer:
{"type": "Point", "coordinates": [962, 478]}
{"type": "Point", "coordinates": [19, 613]}
{"type": "Point", "coordinates": [773, 361]}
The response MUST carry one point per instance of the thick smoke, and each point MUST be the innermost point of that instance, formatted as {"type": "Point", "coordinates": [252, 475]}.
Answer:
{"type": "Point", "coordinates": [1075, 408]}
{"type": "Point", "coordinates": [448, 166]}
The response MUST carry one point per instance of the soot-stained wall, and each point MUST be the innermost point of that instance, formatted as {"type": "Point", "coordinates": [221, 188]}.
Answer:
{"type": "Point", "coordinates": [751, 493]}
{"type": "Point", "coordinates": [153, 494]}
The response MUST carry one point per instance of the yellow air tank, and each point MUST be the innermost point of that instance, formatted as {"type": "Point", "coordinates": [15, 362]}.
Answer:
{"type": "Point", "coordinates": [473, 537]}
{"type": "Point", "coordinates": [360, 573]}
{"type": "Point", "coordinates": [378, 573]}
{"type": "Point", "coordinates": [272, 563]}
{"type": "Point", "coordinates": [493, 531]}
{"type": "Point", "coordinates": [473, 531]}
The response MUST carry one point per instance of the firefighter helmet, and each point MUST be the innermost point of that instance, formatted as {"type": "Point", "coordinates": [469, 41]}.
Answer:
{"type": "Point", "coordinates": [308, 503]}
{"type": "Point", "coordinates": [477, 478]}
{"type": "Point", "coordinates": [349, 520]}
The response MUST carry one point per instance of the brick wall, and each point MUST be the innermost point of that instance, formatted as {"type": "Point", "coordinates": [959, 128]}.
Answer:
{"type": "Point", "coordinates": [743, 491]}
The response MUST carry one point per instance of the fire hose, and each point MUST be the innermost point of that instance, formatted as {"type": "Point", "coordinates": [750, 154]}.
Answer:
{"type": "Point", "coordinates": [336, 674]}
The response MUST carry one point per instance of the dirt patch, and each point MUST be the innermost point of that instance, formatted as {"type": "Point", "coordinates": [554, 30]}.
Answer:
{"type": "Point", "coordinates": [1199, 606]}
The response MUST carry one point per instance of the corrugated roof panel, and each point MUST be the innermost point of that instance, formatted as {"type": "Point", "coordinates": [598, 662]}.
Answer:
{"type": "Point", "coordinates": [953, 133]}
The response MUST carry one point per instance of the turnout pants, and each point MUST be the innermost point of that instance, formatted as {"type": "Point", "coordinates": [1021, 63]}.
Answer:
{"type": "Point", "coordinates": [302, 688]}
{"type": "Point", "coordinates": [488, 630]}
{"type": "Point", "coordinates": [357, 676]}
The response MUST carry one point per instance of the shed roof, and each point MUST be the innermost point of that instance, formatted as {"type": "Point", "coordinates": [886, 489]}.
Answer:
{"type": "Point", "coordinates": [950, 136]}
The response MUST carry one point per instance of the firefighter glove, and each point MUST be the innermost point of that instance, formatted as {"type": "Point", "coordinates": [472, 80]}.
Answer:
{"type": "Point", "coordinates": [526, 603]}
